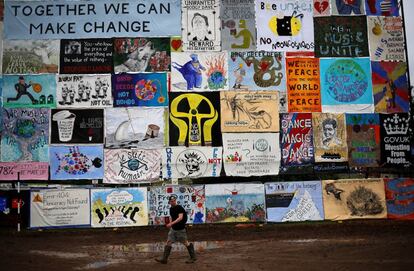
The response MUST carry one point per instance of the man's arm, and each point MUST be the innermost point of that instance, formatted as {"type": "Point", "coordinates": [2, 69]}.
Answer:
{"type": "Point", "coordinates": [179, 218]}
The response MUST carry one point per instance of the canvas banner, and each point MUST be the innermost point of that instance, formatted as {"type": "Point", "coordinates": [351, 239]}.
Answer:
{"type": "Point", "coordinates": [284, 25]}
{"type": "Point", "coordinates": [142, 55]}
{"type": "Point", "coordinates": [238, 30]}
{"type": "Point", "coordinates": [30, 56]}
{"type": "Point", "coordinates": [25, 136]}
{"type": "Point", "coordinates": [191, 198]}
{"type": "Point", "coordinates": [251, 154]}
{"type": "Point", "coordinates": [140, 127]}
{"type": "Point", "coordinates": [124, 166]}
{"type": "Point", "coordinates": [76, 162]}
{"type": "Point", "coordinates": [59, 208]}
{"type": "Point", "coordinates": [77, 126]}
{"type": "Point", "coordinates": [249, 111]}
{"type": "Point", "coordinates": [142, 89]}
{"type": "Point", "coordinates": [194, 119]}
{"type": "Point", "coordinates": [354, 199]}
{"type": "Point", "coordinates": [199, 71]}
{"type": "Point", "coordinates": [258, 70]}
{"type": "Point", "coordinates": [347, 7]}
{"type": "Point", "coordinates": [119, 207]}
{"type": "Point", "coordinates": [382, 7]}
{"type": "Point", "coordinates": [321, 8]}
{"type": "Point", "coordinates": [200, 22]}
{"type": "Point", "coordinates": [14, 207]}
{"type": "Point", "coordinates": [226, 203]}
{"type": "Point", "coordinates": [363, 137]}
{"type": "Point", "coordinates": [346, 85]}
{"type": "Point", "coordinates": [303, 84]}
{"type": "Point", "coordinates": [294, 201]}
{"type": "Point", "coordinates": [83, 91]}
{"type": "Point", "coordinates": [94, 19]}
{"type": "Point", "coordinates": [191, 162]}
{"type": "Point", "coordinates": [29, 91]}
{"type": "Point", "coordinates": [399, 193]}
{"type": "Point", "coordinates": [24, 171]}
{"type": "Point", "coordinates": [329, 133]}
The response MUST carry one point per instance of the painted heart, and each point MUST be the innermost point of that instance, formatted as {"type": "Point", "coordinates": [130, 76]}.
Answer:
{"type": "Point", "coordinates": [264, 65]}
{"type": "Point", "coordinates": [321, 6]}
{"type": "Point", "coordinates": [176, 44]}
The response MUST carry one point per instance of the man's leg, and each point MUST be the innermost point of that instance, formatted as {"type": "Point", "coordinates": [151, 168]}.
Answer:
{"type": "Point", "coordinates": [191, 251]}
{"type": "Point", "coordinates": [167, 247]}
{"type": "Point", "coordinates": [15, 99]}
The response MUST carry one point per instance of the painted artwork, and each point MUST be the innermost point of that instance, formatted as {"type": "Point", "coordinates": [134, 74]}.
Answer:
{"type": "Point", "coordinates": [329, 135]}
{"type": "Point", "coordinates": [363, 137]}
{"type": "Point", "coordinates": [30, 56]}
{"type": "Point", "coordinates": [119, 207]}
{"type": "Point", "coordinates": [390, 87]}
{"type": "Point", "coordinates": [191, 162]}
{"type": "Point", "coordinates": [142, 89]}
{"type": "Point", "coordinates": [294, 201]}
{"type": "Point", "coordinates": [176, 44]}
{"type": "Point", "coordinates": [76, 162]}
{"type": "Point", "coordinates": [142, 55]}
{"type": "Point", "coordinates": [386, 38]}
{"type": "Point", "coordinates": [399, 194]}
{"type": "Point", "coordinates": [257, 71]}
{"type": "Point", "coordinates": [124, 166]}
{"type": "Point", "coordinates": [191, 198]}
{"type": "Point", "coordinates": [284, 25]}
{"type": "Point", "coordinates": [251, 154]}
{"type": "Point", "coordinates": [12, 171]}
{"type": "Point", "coordinates": [226, 203]}
{"type": "Point", "coordinates": [321, 8]}
{"type": "Point", "coordinates": [346, 85]}
{"type": "Point", "coordinates": [303, 84]}
{"type": "Point", "coordinates": [77, 126]}
{"type": "Point", "coordinates": [199, 71]}
{"type": "Point", "coordinates": [347, 7]}
{"type": "Point", "coordinates": [354, 199]}
{"type": "Point", "coordinates": [138, 127]}
{"type": "Point", "coordinates": [341, 36]}
{"type": "Point", "coordinates": [283, 105]}
{"type": "Point", "coordinates": [249, 111]}
{"type": "Point", "coordinates": [83, 91]}
{"type": "Point", "coordinates": [200, 25]}
{"type": "Point", "coordinates": [25, 135]}
{"type": "Point", "coordinates": [29, 91]}
{"type": "Point", "coordinates": [382, 7]}
{"type": "Point", "coordinates": [194, 119]}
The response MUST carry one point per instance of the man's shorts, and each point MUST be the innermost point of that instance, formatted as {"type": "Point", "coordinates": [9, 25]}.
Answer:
{"type": "Point", "coordinates": [177, 236]}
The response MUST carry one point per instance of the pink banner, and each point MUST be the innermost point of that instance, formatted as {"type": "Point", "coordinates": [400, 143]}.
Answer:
{"type": "Point", "coordinates": [28, 171]}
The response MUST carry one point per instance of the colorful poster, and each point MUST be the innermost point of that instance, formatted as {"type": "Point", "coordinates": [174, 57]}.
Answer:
{"type": "Point", "coordinates": [29, 91]}
{"type": "Point", "coordinates": [86, 56]}
{"type": "Point", "coordinates": [140, 127]}
{"type": "Point", "coordinates": [382, 7]}
{"type": "Point", "coordinates": [399, 193]}
{"type": "Point", "coordinates": [119, 207]}
{"type": "Point", "coordinates": [228, 203]}
{"type": "Point", "coordinates": [251, 154]}
{"type": "Point", "coordinates": [386, 38]}
{"type": "Point", "coordinates": [142, 89]}
{"type": "Point", "coordinates": [142, 55]}
{"type": "Point", "coordinates": [257, 71]}
{"type": "Point", "coordinates": [12, 171]}
{"type": "Point", "coordinates": [329, 135]}
{"type": "Point", "coordinates": [191, 198]}
{"type": "Point", "coordinates": [14, 207]}
{"type": "Point", "coordinates": [30, 56]}
{"type": "Point", "coordinates": [284, 25]}
{"type": "Point", "coordinates": [390, 87]}
{"type": "Point", "coordinates": [354, 199]}
{"type": "Point", "coordinates": [176, 44]}
{"type": "Point", "coordinates": [283, 102]}
{"type": "Point", "coordinates": [303, 84]}
{"type": "Point", "coordinates": [341, 36]}
{"type": "Point", "coordinates": [94, 19]}
{"type": "Point", "coordinates": [191, 162]}
{"type": "Point", "coordinates": [347, 7]}
{"type": "Point", "coordinates": [249, 111]}
{"type": "Point", "coordinates": [77, 126]}
{"type": "Point", "coordinates": [294, 201]}
{"type": "Point", "coordinates": [25, 135]}
{"type": "Point", "coordinates": [59, 208]}
{"type": "Point", "coordinates": [200, 22]}
{"type": "Point", "coordinates": [296, 139]}
{"type": "Point", "coordinates": [321, 8]}
{"type": "Point", "coordinates": [76, 162]}
{"type": "Point", "coordinates": [346, 85]}
{"type": "Point", "coordinates": [395, 135]}
{"type": "Point", "coordinates": [84, 91]}
{"type": "Point", "coordinates": [238, 30]}
{"type": "Point", "coordinates": [123, 166]}
{"type": "Point", "coordinates": [199, 71]}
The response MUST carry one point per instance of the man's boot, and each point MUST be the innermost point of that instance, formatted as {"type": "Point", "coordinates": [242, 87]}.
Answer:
{"type": "Point", "coordinates": [191, 251]}
{"type": "Point", "coordinates": [164, 259]}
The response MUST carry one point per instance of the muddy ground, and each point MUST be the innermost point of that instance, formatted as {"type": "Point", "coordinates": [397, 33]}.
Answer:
{"type": "Point", "coordinates": [350, 245]}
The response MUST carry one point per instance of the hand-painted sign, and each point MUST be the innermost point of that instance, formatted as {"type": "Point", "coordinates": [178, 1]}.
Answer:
{"type": "Point", "coordinates": [399, 193]}
{"type": "Point", "coordinates": [347, 7]}
{"type": "Point", "coordinates": [382, 7]}
{"type": "Point", "coordinates": [321, 8]}
{"type": "Point", "coordinates": [24, 171]}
